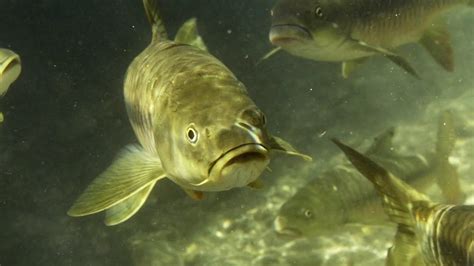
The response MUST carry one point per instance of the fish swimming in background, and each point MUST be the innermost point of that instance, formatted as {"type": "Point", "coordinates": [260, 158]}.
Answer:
{"type": "Point", "coordinates": [433, 233]}
{"type": "Point", "coordinates": [341, 195]}
{"type": "Point", "coordinates": [350, 31]}
{"type": "Point", "coordinates": [195, 123]}
{"type": "Point", "coordinates": [10, 69]}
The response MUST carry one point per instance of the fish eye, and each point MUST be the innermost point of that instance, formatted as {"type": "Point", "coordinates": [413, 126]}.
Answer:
{"type": "Point", "coordinates": [192, 135]}
{"type": "Point", "coordinates": [307, 213]}
{"type": "Point", "coordinates": [318, 11]}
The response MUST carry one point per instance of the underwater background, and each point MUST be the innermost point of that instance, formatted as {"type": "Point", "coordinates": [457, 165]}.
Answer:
{"type": "Point", "coordinates": [65, 120]}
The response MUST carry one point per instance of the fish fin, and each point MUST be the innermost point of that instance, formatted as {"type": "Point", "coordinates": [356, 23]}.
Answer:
{"type": "Point", "coordinates": [157, 27]}
{"type": "Point", "coordinates": [188, 34]}
{"type": "Point", "coordinates": [256, 184]}
{"type": "Point", "coordinates": [405, 250]}
{"type": "Point", "coordinates": [267, 55]}
{"type": "Point", "coordinates": [279, 144]}
{"type": "Point", "coordinates": [349, 66]}
{"type": "Point", "coordinates": [195, 195]}
{"type": "Point", "coordinates": [132, 171]}
{"type": "Point", "coordinates": [124, 210]}
{"type": "Point", "coordinates": [398, 197]}
{"type": "Point", "coordinates": [437, 41]}
{"type": "Point", "coordinates": [395, 58]}
{"type": "Point", "coordinates": [383, 143]}
{"type": "Point", "coordinates": [446, 174]}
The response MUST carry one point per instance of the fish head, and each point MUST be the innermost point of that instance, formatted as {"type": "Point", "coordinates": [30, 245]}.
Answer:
{"type": "Point", "coordinates": [10, 68]}
{"type": "Point", "coordinates": [309, 28]}
{"type": "Point", "coordinates": [219, 141]}
{"type": "Point", "coordinates": [306, 214]}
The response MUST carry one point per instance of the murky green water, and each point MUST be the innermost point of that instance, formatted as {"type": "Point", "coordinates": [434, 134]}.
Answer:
{"type": "Point", "coordinates": [65, 120]}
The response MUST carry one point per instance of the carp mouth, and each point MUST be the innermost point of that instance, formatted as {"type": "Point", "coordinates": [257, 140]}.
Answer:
{"type": "Point", "coordinates": [287, 34]}
{"type": "Point", "coordinates": [249, 155]}
{"type": "Point", "coordinates": [281, 228]}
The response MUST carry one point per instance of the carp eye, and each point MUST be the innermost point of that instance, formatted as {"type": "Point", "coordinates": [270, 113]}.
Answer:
{"type": "Point", "coordinates": [192, 135]}
{"type": "Point", "coordinates": [307, 213]}
{"type": "Point", "coordinates": [318, 11]}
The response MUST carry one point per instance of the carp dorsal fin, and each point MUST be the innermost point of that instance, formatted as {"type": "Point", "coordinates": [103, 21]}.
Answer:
{"type": "Point", "coordinates": [188, 34]}
{"type": "Point", "coordinates": [131, 176]}
{"type": "Point", "coordinates": [395, 58]}
{"type": "Point", "coordinates": [383, 143]}
{"type": "Point", "coordinates": [157, 27]}
{"type": "Point", "coordinates": [398, 197]}
{"type": "Point", "coordinates": [437, 41]}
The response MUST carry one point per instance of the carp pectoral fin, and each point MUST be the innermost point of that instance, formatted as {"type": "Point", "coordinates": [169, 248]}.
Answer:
{"type": "Point", "coordinates": [133, 171]}
{"type": "Point", "coordinates": [349, 66]}
{"type": "Point", "coordinates": [256, 184]}
{"type": "Point", "coordinates": [122, 211]}
{"type": "Point", "coordinates": [437, 42]}
{"type": "Point", "coordinates": [279, 144]}
{"type": "Point", "coordinates": [195, 195]}
{"type": "Point", "coordinates": [395, 58]}
{"type": "Point", "coordinates": [404, 250]}
{"type": "Point", "coordinates": [267, 55]}
{"type": "Point", "coordinates": [446, 174]}
{"type": "Point", "coordinates": [188, 34]}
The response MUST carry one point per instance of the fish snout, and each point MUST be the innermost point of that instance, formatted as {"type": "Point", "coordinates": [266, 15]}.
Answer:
{"type": "Point", "coordinates": [287, 34]}
{"type": "Point", "coordinates": [280, 225]}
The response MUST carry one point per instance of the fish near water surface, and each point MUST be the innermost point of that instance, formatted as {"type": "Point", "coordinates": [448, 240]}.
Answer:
{"type": "Point", "coordinates": [341, 195]}
{"type": "Point", "coordinates": [195, 123]}
{"type": "Point", "coordinates": [350, 31]}
{"type": "Point", "coordinates": [428, 233]}
{"type": "Point", "coordinates": [10, 69]}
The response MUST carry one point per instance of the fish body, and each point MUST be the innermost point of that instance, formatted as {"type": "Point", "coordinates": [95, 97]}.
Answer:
{"type": "Point", "coordinates": [341, 195]}
{"type": "Point", "coordinates": [195, 123]}
{"type": "Point", "coordinates": [350, 31]}
{"type": "Point", "coordinates": [428, 232]}
{"type": "Point", "coordinates": [10, 69]}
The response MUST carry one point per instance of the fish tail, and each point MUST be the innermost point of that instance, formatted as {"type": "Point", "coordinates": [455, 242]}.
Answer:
{"type": "Point", "coordinates": [397, 195]}
{"type": "Point", "coordinates": [446, 174]}
{"type": "Point", "coordinates": [153, 15]}
{"type": "Point", "coordinates": [122, 188]}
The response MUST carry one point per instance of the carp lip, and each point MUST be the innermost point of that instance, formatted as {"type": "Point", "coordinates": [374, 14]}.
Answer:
{"type": "Point", "coordinates": [280, 226]}
{"type": "Point", "coordinates": [240, 154]}
{"type": "Point", "coordinates": [285, 34]}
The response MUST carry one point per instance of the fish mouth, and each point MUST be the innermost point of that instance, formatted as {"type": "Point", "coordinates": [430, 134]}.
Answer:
{"type": "Point", "coordinates": [243, 154]}
{"type": "Point", "coordinates": [281, 228]}
{"type": "Point", "coordinates": [288, 34]}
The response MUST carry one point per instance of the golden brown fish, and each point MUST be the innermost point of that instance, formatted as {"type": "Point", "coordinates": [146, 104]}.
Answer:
{"type": "Point", "coordinates": [195, 123]}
